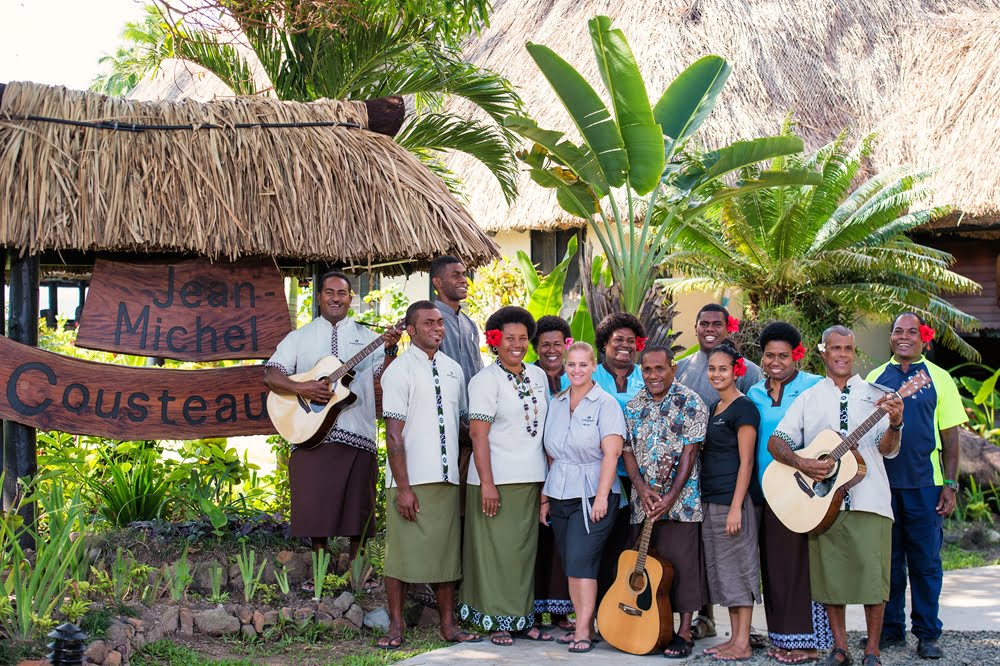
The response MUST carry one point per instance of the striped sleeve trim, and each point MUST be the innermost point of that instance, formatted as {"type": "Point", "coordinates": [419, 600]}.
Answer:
{"type": "Point", "coordinates": [278, 366]}
{"type": "Point", "coordinates": [394, 415]}
{"type": "Point", "coordinates": [475, 416]}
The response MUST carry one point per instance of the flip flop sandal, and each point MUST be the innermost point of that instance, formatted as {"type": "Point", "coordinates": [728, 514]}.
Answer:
{"type": "Point", "coordinates": [540, 637]}
{"type": "Point", "coordinates": [390, 644]}
{"type": "Point", "coordinates": [727, 657]}
{"type": "Point", "coordinates": [567, 625]}
{"type": "Point", "coordinates": [831, 659]}
{"type": "Point", "coordinates": [757, 642]}
{"type": "Point", "coordinates": [565, 639]}
{"type": "Point", "coordinates": [590, 646]}
{"type": "Point", "coordinates": [457, 637]}
{"type": "Point", "coordinates": [703, 627]}
{"type": "Point", "coordinates": [679, 648]}
{"type": "Point", "coordinates": [788, 659]}
{"type": "Point", "coordinates": [502, 638]}
{"type": "Point", "coordinates": [871, 660]}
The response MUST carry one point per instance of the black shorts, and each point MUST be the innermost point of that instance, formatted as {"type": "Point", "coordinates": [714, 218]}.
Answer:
{"type": "Point", "coordinates": [581, 551]}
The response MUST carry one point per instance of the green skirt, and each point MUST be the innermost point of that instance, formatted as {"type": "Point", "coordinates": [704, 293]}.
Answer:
{"type": "Point", "coordinates": [849, 563]}
{"type": "Point", "coordinates": [498, 590]}
{"type": "Point", "coordinates": [428, 549]}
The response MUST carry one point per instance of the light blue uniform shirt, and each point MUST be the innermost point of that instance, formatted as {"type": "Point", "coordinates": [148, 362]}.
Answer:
{"type": "Point", "coordinates": [606, 380]}
{"type": "Point", "coordinates": [772, 412]}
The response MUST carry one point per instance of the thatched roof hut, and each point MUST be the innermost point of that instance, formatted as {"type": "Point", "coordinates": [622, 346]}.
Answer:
{"type": "Point", "coordinates": [923, 73]}
{"type": "Point", "coordinates": [309, 193]}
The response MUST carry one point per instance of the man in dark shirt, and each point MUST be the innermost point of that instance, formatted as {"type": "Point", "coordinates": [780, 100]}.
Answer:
{"type": "Point", "coordinates": [461, 335]}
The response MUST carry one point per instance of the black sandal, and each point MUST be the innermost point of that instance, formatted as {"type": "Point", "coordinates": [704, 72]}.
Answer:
{"type": "Point", "coordinates": [590, 646]}
{"type": "Point", "coordinates": [541, 636]}
{"type": "Point", "coordinates": [679, 648]}
{"type": "Point", "coordinates": [831, 659]}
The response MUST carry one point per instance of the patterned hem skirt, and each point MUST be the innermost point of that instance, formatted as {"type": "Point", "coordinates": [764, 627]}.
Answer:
{"type": "Point", "coordinates": [498, 562]}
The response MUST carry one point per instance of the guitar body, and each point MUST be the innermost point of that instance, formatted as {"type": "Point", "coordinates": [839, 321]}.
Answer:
{"type": "Point", "coordinates": [635, 614]}
{"type": "Point", "coordinates": [807, 506]}
{"type": "Point", "coordinates": [305, 424]}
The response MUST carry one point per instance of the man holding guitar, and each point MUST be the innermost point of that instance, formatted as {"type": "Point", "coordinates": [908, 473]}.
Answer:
{"type": "Point", "coordinates": [849, 563]}
{"type": "Point", "coordinates": [666, 422]}
{"type": "Point", "coordinates": [333, 485]}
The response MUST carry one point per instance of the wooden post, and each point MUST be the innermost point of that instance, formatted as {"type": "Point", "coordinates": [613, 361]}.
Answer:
{"type": "Point", "coordinates": [19, 452]}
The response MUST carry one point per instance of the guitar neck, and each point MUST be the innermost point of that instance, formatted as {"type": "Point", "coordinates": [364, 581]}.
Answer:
{"type": "Point", "coordinates": [647, 532]}
{"type": "Point", "coordinates": [852, 440]}
{"type": "Point", "coordinates": [352, 362]}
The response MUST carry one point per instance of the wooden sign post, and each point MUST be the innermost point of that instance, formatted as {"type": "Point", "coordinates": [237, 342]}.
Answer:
{"type": "Point", "coordinates": [190, 310]}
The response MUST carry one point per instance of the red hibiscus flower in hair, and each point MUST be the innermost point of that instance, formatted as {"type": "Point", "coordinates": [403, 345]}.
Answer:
{"type": "Point", "coordinates": [568, 341]}
{"type": "Point", "coordinates": [799, 353]}
{"type": "Point", "coordinates": [739, 367]}
{"type": "Point", "coordinates": [640, 343]}
{"type": "Point", "coordinates": [733, 325]}
{"type": "Point", "coordinates": [493, 337]}
{"type": "Point", "coordinates": [926, 333]}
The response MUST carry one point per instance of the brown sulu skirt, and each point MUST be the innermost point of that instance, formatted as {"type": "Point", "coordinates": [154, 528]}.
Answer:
{"type": "Point", "coordinates": [680, 544]}
{"type": "Point", "coordinates": [332, 491]}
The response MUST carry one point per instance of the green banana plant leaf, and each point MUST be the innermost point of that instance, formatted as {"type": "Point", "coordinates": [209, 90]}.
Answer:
{"type": "Point", "coordinates": [689, 99]}
{"type": "Point", "coordinates": [640, 132]}
{"type": "Point", "coordinates": [581, 327]}
{"type": "Point", "coordinates": [579, 159]}
{"type": "Point", "coordinates": [547, 299]}
{"type": "Point", "coordinates": [528, 270]}
{"type": "Point", "coordinates": [986, 389]}
{"type": "Point", "coordinates": [588, 112]}
{"type": "Point", "coordinates": [576, 199]}
{"type": "Point", "coordinates": [735, 156]}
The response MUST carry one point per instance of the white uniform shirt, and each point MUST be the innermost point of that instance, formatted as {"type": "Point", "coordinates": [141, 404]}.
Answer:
{"type": "Point", "coordinates": [516, 456]}
{"type": "Point", "coordinates": [818, 409]}
{"type": "Point", "coordinates": [303, 348]}
{"type": "Point", "coordinates": [429, 396]}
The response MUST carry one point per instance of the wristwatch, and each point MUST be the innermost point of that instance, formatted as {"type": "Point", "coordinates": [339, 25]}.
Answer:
{"type": "Point", "coordinates": [896, 428]}
{"type": "Point", "coordinates": [951, 484]}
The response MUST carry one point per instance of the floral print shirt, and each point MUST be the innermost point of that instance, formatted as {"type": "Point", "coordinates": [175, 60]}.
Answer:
{"type": "Point", "coordinates": [657, 434]}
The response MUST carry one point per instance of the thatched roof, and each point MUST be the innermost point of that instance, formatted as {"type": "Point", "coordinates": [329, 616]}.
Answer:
{"type": "Point", "coordinates": [335, 194]}
{"type": "Point", "coordinates": [840, 64]}
{"type": "Point", "coordinates": [177, 80]}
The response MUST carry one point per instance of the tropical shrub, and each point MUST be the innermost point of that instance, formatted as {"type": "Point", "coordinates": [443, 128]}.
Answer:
{"type": "Point", "coordinates": [497, 284]}
{"type": "Point", "coordinates": [836, 250]}
{"type": "Point", "coordinates": [980, 397]}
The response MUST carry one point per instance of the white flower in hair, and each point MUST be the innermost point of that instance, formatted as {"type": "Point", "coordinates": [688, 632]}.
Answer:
{"type": "Point", "coordinates": [821, 347]}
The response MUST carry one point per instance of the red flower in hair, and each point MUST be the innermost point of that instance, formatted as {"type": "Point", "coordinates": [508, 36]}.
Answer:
{"type": "Point", "coordinates": [568, 341]}
{"type": "Point", "coordinates": [926, 333]}
{"type": "Point", "coordinates": [733, 325]}
{"type": "Point", "coordinates": [799, 353]}
{"type": "Point", "coordinates": [640, 343]}
{"type": "Point", "coordinates": [739, 367]}
{"type": "Point", "coordinates": [493, 337]}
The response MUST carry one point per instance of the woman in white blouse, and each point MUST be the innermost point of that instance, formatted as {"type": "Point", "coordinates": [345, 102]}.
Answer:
{"type": "Point", "coordinates": [584, 434]}
{"type": "Point", "coordinates": [508, 401]}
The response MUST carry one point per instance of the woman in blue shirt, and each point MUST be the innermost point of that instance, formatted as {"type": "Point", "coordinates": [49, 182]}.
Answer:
{"type": "Point", "coordinates": [798, 628]}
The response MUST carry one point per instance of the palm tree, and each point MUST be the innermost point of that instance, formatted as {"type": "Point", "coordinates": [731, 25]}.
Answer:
{"type": "Point", "coordinates": [147, 44]}
{"type": "Point", "coordinates": [373, 48]}
{"type": "Point", "coordinates": [828, 254]}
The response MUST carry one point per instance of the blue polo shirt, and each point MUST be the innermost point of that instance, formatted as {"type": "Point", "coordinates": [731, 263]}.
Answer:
{"type": "Point", "coordinates": [606, 380]}
{"type": "Point", "coordinates": [772, 412]}
{"type": "Point", "coordinates": [925, 414]}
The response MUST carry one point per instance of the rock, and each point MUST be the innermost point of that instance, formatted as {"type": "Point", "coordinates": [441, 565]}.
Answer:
{"type": "Point", "coordinates": [284, 557]}
{"type": "Point", "coordinates": [303, 616]}
{"type": "Point", "coordinates": [245, 614]}
{"type": "Point", "coordinates": [201, 573]}
{"type": "Point", "coordinates": [344, 622]}
{"type": "Point", "coordinates": [974, 538]}
{"type": "Point", "coordinates": [287, 614]}
{"type": "Point", "coordinates": [96, 652]}
{"type": "Point", "coordinates": [168, 619]}
{"type": "Point", "coordinates": [356, 615]}
{"type": "Point", "coordinates": [248, 631]}
{"type": "Point", "coordinates": [235, 580]}
{"type": "Point", "coordinates": [271, 618]}
{"type": "Point", "coordinates": [979, 459]}
{"type": "Point", "coordinates": [324, 607]}
{"type": "Point", "coordinates": [135, 622]}
{"type": "Point", "coordinates": [991, 536]}
{"type": "Point", "coordinates": [216, 622]}
{"type": "Point", "coordinates": [118, 632]}
{"type": "Point", "coordinates": [324, 619]}
{"type": "Point", "coordinates": [114, 658]}
{"type": "Point", "coordinates": [429, 617]}
{"type": "Point", "coordinates": [269, 576]}
{"type": "Point", "coordinates": [342, 603]}
{"type": "Point", "coordinates": [343, 562]}
{"type": "Point", "coordinates": [377, 619]}
{"type": "Point", "coordinates": [258, 621]}
{"type": "Point", "coordinates": [186, 621]}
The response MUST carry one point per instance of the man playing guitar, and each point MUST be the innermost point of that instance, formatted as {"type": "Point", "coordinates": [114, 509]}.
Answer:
{"type": "Point", "coordinates": [333, 485]}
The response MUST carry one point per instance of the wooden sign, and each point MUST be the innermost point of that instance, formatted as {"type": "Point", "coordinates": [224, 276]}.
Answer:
{"type": "Point", "coordinates": [191, 310]}
{"type": "Point", "coordinates": [54, 392]}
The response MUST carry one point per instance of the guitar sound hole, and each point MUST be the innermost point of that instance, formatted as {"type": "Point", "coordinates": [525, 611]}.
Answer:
{"type": "Point", "coordinates": [637, 582]}
{"type": "Point", "coordinates": [311, 407]}
{"type": "Point", "coordinates": [824, 487]}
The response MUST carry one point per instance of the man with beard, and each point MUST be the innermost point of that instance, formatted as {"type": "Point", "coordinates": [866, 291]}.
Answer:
{"type": "Point", "coordinates": [923, 493]}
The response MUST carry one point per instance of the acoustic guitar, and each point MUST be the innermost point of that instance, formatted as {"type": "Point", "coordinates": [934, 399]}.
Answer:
{"type": "Point", "coordinates": [305, 423]}
{"type": "Point", "coordinates": [635, 614]}
{"type": "Point", "coordinates": [804, 505]}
